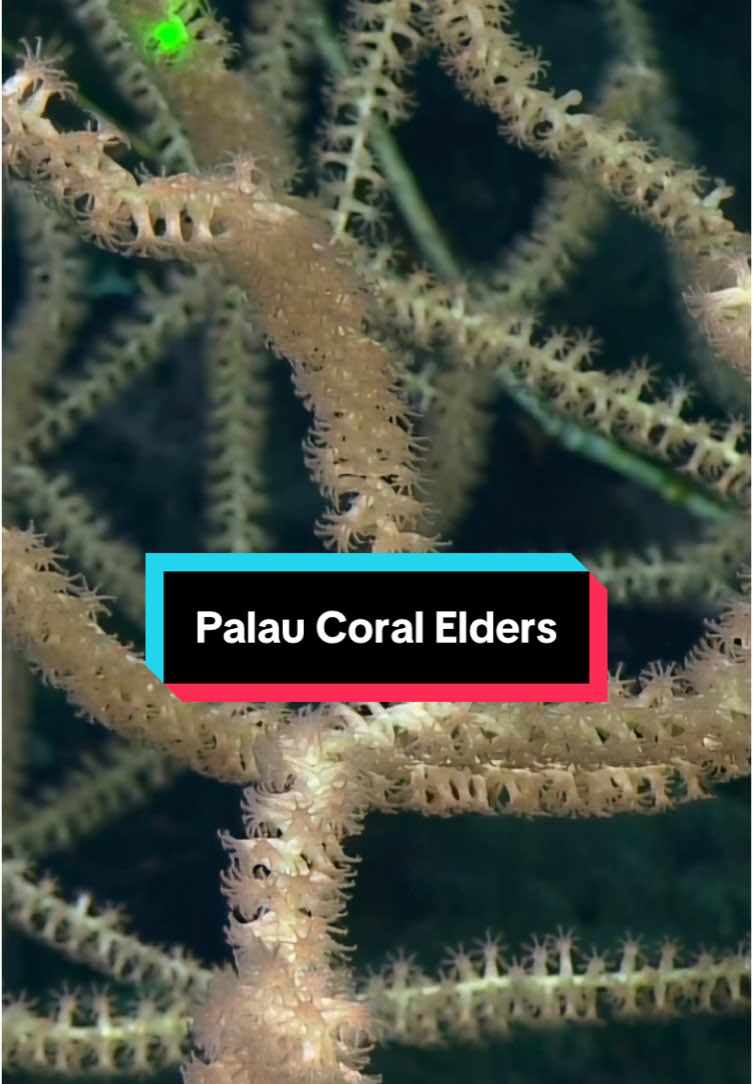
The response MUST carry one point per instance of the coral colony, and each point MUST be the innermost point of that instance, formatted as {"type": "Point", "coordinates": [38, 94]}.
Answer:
{"type": "Point", "coordinates": [337, 270]}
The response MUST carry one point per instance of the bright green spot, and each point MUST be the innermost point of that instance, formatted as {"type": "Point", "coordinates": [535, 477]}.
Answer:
{"type": "Point", "coordinates": [170, 36]}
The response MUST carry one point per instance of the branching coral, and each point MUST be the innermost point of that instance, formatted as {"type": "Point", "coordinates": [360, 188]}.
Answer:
{"type": "Point", "coordinates": [399, 349]}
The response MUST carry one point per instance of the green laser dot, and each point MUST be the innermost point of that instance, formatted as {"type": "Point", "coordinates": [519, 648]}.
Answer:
{"type": "Point", "coordinates": [170, 36]}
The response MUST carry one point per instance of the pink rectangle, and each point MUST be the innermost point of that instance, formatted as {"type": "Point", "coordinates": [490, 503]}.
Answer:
{"type": "Point", "coordinates": [388, 692]}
